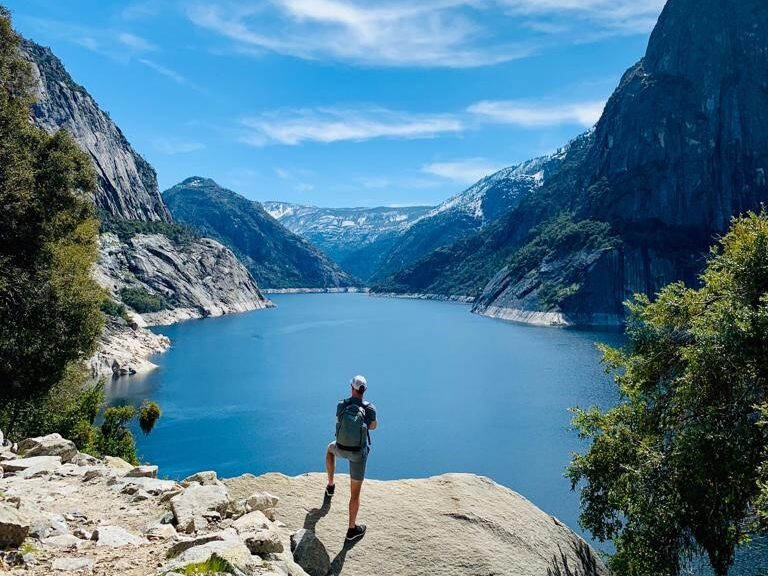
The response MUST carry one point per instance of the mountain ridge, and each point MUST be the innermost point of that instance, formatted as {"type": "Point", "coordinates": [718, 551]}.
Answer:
{"type": "Point", "coordinates": [276, 257]}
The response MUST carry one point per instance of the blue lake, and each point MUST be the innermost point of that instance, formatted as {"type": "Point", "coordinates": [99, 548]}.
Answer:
{"type": "Point", "coordinates": [455, 392]}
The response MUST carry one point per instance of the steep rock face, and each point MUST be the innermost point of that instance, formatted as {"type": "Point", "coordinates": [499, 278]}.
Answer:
{"type": "Point", "coordinates": [682, 146]}
{"type": "Point", "coordinates": [127, 184]}
{"type": "Point", "coordinates": [357, 238]}
{"type": "Point", "coordinates": [197, 279]}
{"type": "Point", "coordinates": [467, 213]}
{"type": "Point", "coordinates": [276, 257]}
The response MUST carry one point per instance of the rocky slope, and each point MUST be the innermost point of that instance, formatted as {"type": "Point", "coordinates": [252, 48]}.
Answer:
{"type": "Point", "coordinates": [127, 184]}
{"type": "Point", "coordinates": [357, 238]}
{"type": "Point", "coordinates": [196, 278]}
{"type": "Point", "coordinates": [681, 147]}
{"type": "Point", "coordinates": [65, 512]}
{"type": "Point", "coordinates": [276, 257]}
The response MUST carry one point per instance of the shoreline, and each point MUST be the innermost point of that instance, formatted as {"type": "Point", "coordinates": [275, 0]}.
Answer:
{"type": "Point", "coordinates": [458, 299]}
{"type": "Point", "coordinates": [551, 319]}
{"type": "Point", "coordinates": [341, 290]}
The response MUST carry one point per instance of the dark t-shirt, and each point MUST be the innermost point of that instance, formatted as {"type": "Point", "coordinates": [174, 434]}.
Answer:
{"type": "Point", "coordinates": [370, 409]}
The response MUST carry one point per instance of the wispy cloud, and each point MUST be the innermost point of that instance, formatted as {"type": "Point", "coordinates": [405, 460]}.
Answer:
{"type": "Point", "coordinates": [135, 42]}
{"type": "Point", "coordinates": [428, 33]}
{"type": "Point", "coordinates": [423, 34]}
{"type": "Point", "coordinates": [167, 72]}
{"type": "Point", "coordinates": [292, 127]}
{"type": "Point", "coordinates": [534, 115]}
{"type": "Point", "coordinates": [463, 171]}
{"type": "Point", "coordinates": [298, 183]}
{"type": "Point", "coordinates": [604, 17]}
{"type": "Point", "coordinates": [172, 147]}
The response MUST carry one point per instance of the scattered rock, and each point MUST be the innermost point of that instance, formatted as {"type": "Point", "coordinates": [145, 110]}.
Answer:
{"type": "Point", "coordinates": [63, 542]}
{"type": "Point", "coordinates": [118, 464]}
{"type": "Point", "coordinates": [14, 527]}
{"type": "Point", "coordinates": [183, 545]}
{"type": "Point", "coordinates": [160, 532]}
{"type": "Point", "coordinates": [251, 521]}
{"type": "Point", "coordinates": [191, 506]}
{"type": "Point", "coordinates": [142, 472]}
{"type": "Point", "coordinates": [91, 474]}
{"type": "Point", "coordinates": [81, 459]}
{"type": "Point", "coordinates": [50, 445]}
{"type": "Point", "coordinates": [230, 550]}
{"type": "Point", "coordinates": [207, 478]}
{"type": "Point", "coordinates": [309, 553]}
{"type": "Point", "coordinates": [261, 501]}
{"type": "Point", "coordinates": [83, 534]}
{"type": "Point", "coordinates": [73, 565]}
{"type": "Point", "coordinates": [115, 537]}
{"type": "Point", "coordinates": [151, 485]}
{"type": "Point", "coordinates": [36, 462]}
{"type": "Point", "coordinates": [264, 542]}
{"type": "Point", "coordinates": [140, 496]}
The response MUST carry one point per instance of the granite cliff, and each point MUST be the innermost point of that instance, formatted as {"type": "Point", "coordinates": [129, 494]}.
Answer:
{"type": "Point", "coordinates": [681, 147]}
{"type": "Point", "coordinates": [62, 511]}
{"type": "Point", "coordinates": [193, 278]}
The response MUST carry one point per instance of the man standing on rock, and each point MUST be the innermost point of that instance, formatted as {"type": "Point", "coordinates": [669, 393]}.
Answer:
{"type": "Point", "coordinates": [355, 418]}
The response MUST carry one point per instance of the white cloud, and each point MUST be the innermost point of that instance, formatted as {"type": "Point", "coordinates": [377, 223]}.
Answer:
{"type": "Point", "coordinates": [533, 115]}
{"type": "Point", "coordinates": [167, 72]}
{"type": "Point", "coordinates": [136, 43]}
{"type": "Point", "coordinates": [292, 127]}
{"type": "Point", "coordinates": [464, 171]}
{"type": "Point", "coordinates": [605, 16]}
{"type": "Point", "coordinates": [171, 147]}
{"type": "Point", "coordinates": [426, 33]}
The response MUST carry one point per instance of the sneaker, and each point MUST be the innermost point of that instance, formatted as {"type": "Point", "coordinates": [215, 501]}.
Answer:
{"type": "Point", "coordinates": [330, 489]}
{"type": "Point", "coordinates": [356, 533]}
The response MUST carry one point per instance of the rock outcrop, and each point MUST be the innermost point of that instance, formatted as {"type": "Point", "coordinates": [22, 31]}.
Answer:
{"type": "Point", "coordinates": [275, 256]}
{"type": "Point", "coordinates": [127, 184]}
{"type": "Point", "coordinates": [196, 279]}
{"type": "Point", "coordinates": [102, 517]}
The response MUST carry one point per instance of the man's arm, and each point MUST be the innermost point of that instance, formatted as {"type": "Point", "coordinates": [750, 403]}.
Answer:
{"type": "Point", "coordinates": [370, 411]}
{"type": "Point", "coordinates": [372, 425]}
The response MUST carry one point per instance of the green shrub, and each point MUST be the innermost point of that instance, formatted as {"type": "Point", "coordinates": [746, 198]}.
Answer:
{"type": "Point", "coordinates": [142, 301]}
{"type": "Point", "coordinates": [149, 415]}
{"type": "Point", "coordinates": [179, 234]}
{"type": "Point", "coordinates": [214, 565]}
{"type": "Point", "coordinates": [113, 308]}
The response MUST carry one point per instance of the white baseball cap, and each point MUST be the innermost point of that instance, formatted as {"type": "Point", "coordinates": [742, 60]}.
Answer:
{"type": "Point", "coordinates": [359, 383]}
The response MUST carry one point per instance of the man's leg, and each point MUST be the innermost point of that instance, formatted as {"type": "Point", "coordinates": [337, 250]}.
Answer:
{"type": "Point", "coordinates": [354, 501]}
{"type": "Point", "coordinates": [330, 465]}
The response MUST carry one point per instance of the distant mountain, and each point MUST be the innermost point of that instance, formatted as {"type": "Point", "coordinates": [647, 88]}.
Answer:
{"type": "Point", "coordinates": [682, 146]}
{"type": "Point", "coordinates": [467, 213]}
{"type": "Point", "coordinates": [275, 256]}
{"type": "Point", "coordinates": [356, 238]}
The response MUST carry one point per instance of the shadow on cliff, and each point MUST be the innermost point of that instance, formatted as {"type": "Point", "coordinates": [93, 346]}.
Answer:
{"type": "Point", "coordinates": [587, 565]}
{"type": "Point", "coordinates": [316, 514]}
{"type": "Point", "coordinates": [310, 522]}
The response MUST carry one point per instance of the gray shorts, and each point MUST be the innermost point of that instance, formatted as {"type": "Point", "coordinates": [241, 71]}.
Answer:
{"type": "Point", "coordinates": [357, 460]}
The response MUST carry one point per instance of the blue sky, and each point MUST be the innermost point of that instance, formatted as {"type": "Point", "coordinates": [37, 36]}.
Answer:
{"type": "Point", "coordinates": [344, 102]}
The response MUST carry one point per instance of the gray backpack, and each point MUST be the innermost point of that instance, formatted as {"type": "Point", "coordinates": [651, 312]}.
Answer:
{"type": "Point", "coordinates": [351, 429]}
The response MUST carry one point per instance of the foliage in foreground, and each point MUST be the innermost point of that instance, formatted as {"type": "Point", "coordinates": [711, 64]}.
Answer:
{"type": "Point", "coordinates": [51, 309]}
{"type": "Point", "coordinates": [680, 467]}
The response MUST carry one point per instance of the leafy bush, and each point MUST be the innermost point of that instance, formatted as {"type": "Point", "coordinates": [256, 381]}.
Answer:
{"type": "Point", "coordinates": [680, 466]}
{"type": "Point", "coordinates": [142, 301]}
{"type": "Point", "coordinates": [149, 415]}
